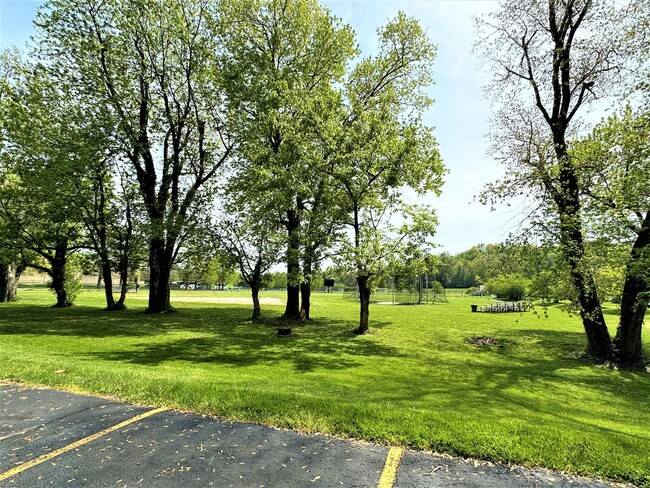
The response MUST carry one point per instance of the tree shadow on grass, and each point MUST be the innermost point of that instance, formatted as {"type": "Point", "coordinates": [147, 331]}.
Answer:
{"type": "Point", "coordinates": [548, 359]}
{"type": "Point", "coordinates": [80, 321]}
{"type": "Point", "coordinates": [479, 377]}
{"type": "Point", "coordinates": [306, 352]}
{"type": "Point", "coordinates": [225, 336]}
{"type": "Point", "coordinates": [319, 343]}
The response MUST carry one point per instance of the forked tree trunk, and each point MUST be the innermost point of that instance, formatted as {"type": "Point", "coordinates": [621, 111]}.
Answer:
{"type": "Point", "coordinates": [364, 304]}
{"type": "Point", "coordinates": [8, 281]}
{"type": "Point", "coordinates": [634, 302]}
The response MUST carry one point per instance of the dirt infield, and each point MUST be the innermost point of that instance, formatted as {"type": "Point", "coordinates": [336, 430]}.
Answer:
{"type": "Point", "coordinates": [243, 300]}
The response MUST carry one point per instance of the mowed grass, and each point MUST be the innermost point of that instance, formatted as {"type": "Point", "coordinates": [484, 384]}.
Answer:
{"type": "Point", "coordinates": [414, 380]}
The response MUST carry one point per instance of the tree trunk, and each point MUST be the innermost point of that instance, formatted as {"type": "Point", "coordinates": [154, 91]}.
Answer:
{"type": "Point", "coordinates": [599, 344]}
{"type": "Point", "coordinates": [119, 305]}
{"type": "Point", "coordinates": [634, 302]}
{"type": "Point", "coordinates": [124, 260]}
{"type": "Point", "coordinates": [58, 275]}
{"type": "Point", "coordinates": [257, 310]}
{"type": "Point", "coordinates": [305, 290]}
{"type": "Point", "coordinates": [159, 271]}
{"type": "Point", "coordinates": [99, 278]}
{"type": "Point", "coordinates": [108, 283]}
{"type": "Point", "coordinates": [292, 310]}
{"type": "Point", "coordinates": [305, 297]}
{"type": "Point", "coordinates": [364, 304]}
{"type": "Point", "coordinates": [124, 277]}
{"type": "Point", "coordinates": [8, 281]}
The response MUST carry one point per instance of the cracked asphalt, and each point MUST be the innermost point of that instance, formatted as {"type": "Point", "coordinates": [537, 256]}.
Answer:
{"type": "Point", "coordinates": [44, 442]}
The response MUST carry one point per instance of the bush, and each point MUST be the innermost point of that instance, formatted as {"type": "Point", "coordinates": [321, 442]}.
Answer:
{"type": "Point", "coordinates": [508, 287]}
{"type": "Point", "coordinates": [474, 291]}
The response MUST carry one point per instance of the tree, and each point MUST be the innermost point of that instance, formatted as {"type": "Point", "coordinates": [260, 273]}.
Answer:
{"type": "Point", "coordinates": [615, 162]}
{"type": "Point", "coordinates": [278, 280]}
{"type": "Point", "coordinates": [9, 271]}
{"type": "Point", "coordinates": [379, 148]}
{"type": "Point", "coordinates": [40, 174]}
{"type": "Point", "coordinates": [151, 65]}
{"type": "Point", "coordinates": [508, 286]}
{"type": "Point", "coordinates": [637, 44]}
{"type": "Point", "coordinates": [551, 60]}
{"type": "Point", "coordinates": [107, 202]}
{"type": "Point", "coordinates": [251, 239]}
{"type": "Point", "coordinates": [222, 271]}
{"type": "Point", "coordinates": [281, 62]}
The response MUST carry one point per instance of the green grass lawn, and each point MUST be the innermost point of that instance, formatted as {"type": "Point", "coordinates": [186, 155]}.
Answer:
{"type": "Point", "coordinates": [414, 380]}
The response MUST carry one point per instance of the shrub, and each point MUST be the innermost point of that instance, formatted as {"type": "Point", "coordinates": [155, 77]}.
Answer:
{"type": "Point", "coordinates": [508, 287]}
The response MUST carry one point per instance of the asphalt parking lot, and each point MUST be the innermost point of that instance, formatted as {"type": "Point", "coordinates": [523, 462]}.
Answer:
{"type": "Point", "coordinates": [54, 438]}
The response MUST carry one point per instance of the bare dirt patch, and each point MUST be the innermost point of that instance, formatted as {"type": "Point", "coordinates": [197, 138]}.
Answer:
{"type": "Point", "coordinates": [483, 341]}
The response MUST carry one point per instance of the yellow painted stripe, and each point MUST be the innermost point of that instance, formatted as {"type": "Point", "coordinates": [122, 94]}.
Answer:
{"type": "Point", "coordinates": [74, 445]}
{"type": "Point", "coordinates": [389, 474]}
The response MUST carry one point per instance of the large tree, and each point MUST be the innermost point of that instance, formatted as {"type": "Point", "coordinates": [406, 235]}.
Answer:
{"type": "Point", "coordinates": [282, 60]}
{"type": "Point", "coordinates": [41, 167]}
{"type": "Point", "coordinates": [379, 148]}
{"type": "Point", "coordinates": [151, 65]}
{"type": "Point", "coordinates": [551, 60]}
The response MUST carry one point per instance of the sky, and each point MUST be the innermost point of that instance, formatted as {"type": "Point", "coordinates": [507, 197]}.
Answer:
{"type": "Point", "coordinates": [460, 114]}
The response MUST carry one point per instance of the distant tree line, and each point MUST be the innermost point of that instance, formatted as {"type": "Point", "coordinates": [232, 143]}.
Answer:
{"type": "Point", "coordinates": [539, 272]}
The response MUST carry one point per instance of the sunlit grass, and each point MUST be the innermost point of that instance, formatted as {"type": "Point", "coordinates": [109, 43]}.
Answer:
{"type": "Point", "coordinates": [414, 380]}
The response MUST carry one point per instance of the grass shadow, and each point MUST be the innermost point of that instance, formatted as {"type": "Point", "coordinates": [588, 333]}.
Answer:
{"type": "Point", "coordinates": [226, 336]}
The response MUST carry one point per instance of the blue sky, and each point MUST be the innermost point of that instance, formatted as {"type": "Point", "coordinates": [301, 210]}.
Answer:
{"type": "Point", "coordinates": [460, 114]}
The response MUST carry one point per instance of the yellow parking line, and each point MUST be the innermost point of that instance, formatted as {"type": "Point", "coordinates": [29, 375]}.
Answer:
{"type": "Point", "coordinates": [389, 474]}
{"type": "Point", "coordinates": [74, 445]}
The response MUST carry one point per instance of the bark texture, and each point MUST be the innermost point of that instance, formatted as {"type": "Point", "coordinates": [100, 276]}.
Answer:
{"type": "Point", "coordinates": [257, 310]}
{"type": "Point", "coordinates": [159, 273]}
{"type": "Point", "coordinates": [634, 302]}
{"type": "Point", "coordinates": [8, 281]}
{"type": "Point", "coordinates": [364, 305]}
{"type": "Point", "coordinates": [599, 344]}
{"type": "Point", "coordinates": [58, 263]}
{"type": "Point", "coordinates": [292, 309]}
